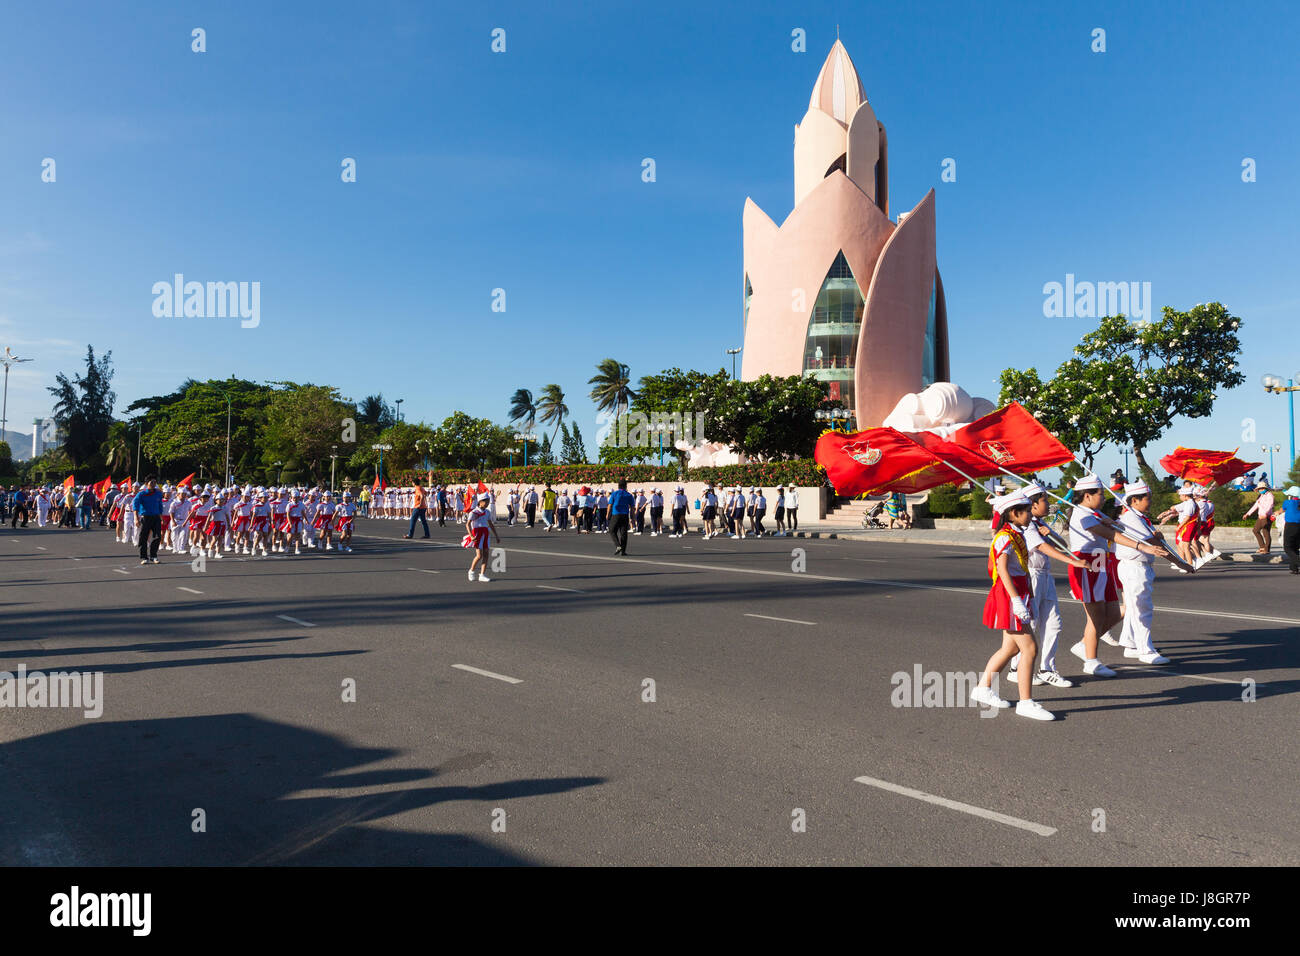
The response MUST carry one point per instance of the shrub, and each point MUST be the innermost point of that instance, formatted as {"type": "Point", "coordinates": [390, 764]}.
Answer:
{"type": "Point", "coordinates": [946, 502]}
{"type": "Point", "coordinates": [980, 510]}
{"type": "Point", "coordinates": [801, 472]}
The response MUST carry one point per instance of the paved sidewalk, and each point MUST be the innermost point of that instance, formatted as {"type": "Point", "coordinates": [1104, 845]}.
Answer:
{"type": "Point", "coordinates": [971, 539]}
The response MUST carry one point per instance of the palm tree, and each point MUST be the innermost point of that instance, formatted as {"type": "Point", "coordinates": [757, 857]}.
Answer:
{"type": "Point", "coordinates": [552, 407]}
{"type": "Point", "coordinates": [117, 450]}
{"type": "Point", "coordinates": [523, 409]}
{"type": "Point", "coordinates": [611, 383]}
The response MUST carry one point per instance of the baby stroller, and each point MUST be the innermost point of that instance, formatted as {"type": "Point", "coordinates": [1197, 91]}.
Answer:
{"type": "Point", "coordinates": [871, 518]}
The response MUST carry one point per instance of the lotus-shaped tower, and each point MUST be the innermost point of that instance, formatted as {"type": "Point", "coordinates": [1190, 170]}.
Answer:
{"type": "Point", "coordinates": [838, 291]}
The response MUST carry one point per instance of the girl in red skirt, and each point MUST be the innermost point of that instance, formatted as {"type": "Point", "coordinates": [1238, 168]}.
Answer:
{"type": "Point", "coordinates": [1008, 607]}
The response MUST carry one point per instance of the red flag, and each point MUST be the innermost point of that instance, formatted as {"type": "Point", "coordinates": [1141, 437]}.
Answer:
{"type": "Point", "coordinates": [379, 484]}
{"type": "Point", "coordinates": [1195, 463]}
{"type": "Point", "coordinates": [100, 488]}
{"type": "Point", "coordinates": [125, 484]}
{"type": "Point", "coordinates": [877, 459]}
{"type": "Point", "coordinates": [186, 481]}
{"type": "Point", "coordinates": [482, 488]}
{"type": "Point", "coordinates": [69, 482]}
{"type": "Point", "coordinates": [1205, 467]}
{"type": "Point", "coordinates": [1013, 439]}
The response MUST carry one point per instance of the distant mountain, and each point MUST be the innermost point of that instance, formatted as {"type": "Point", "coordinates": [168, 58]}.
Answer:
{"type": "Point", "coordinates": [19, 444]}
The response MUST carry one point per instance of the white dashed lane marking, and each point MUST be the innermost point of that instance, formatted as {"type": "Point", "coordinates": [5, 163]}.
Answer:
{"type": "Point", "coordinates": [552, 587]}
{"type": "Point", "coordinates": [783, 620]}
{"type": "Point", "coordinates": [960, 807]}
{"type": "Point", "coordinates": [483, 673]}
{"type": "Point", "coordinates": [191, 590]}
{"type": "Point", "coordinates": [295, 620]}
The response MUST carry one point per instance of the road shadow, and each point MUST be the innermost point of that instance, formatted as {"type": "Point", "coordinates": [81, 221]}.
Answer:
{"type": "Point", "coordinates": [124, 794]}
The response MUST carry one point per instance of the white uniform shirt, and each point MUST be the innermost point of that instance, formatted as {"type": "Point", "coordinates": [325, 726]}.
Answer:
{"type": "Point", "coordinates": [1082, 539]}
{"type": "Point", "coordinates": [1039, 563]}
{"type": "Point", "coordinates": [478, 518]}
{"type": "Point", "coordinates": [792, 499]}
{"type": "Point", "coordinates": [1138, 528]}
{"type": "Point", "coordinates": [1207, 509]}
{"type": "Point", "coordinates": [679, 501]}
{"type": "Point", "coordinates": [1186, 509]}
{"type": "Point", "coordinates": [760, 503]}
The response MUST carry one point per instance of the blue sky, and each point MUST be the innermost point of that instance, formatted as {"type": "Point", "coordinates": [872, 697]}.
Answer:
{"type": "Point", "coordinates": [522, 171]}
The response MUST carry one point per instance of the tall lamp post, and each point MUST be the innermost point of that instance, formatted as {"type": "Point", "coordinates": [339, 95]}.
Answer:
{"type": "Point", "coordinates": [334, 455]}
{"type": "Point", "coordinates": [381, 449]}
{"type": "Point", "coordinates": [525, 437]}
{"type": "Point", "coordinates": [661, 427]}
{"type": "Point", "coordinates": [511, 452]}
{"type": "Point", "coordinates": [1125, 452]}
{"type": "Point", "coordinates": [9, 359]}
{"type": "Point", "coordinates": [398, 403]}
{"type": "Point", "coordinates": [733, 353]}
{"type": "Point", "coordinates": [1273, 384]}
{"type": "Point", "coordinates": [1272, 474]}
{"type": "Point", "coordinates": [137, 448]}
{"type": "Point", "coordinates": [422, 446]}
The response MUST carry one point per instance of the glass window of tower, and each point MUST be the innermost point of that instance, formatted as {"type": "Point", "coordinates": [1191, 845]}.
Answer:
{"type": "Point", "coordinates": [830, 351]}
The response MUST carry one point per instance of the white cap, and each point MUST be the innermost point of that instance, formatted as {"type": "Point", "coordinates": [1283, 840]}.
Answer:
{"type": "Point", "coordinates": [1088, 483]}
{"type": "Point", "coordinates": [1033, 488]}
{"type": "Point", "coordinates": [1137, 488]}
{"type": "Point", "coordinates": [1014, 500]}
{"type": "Point", "coordinates": [1185, 491]}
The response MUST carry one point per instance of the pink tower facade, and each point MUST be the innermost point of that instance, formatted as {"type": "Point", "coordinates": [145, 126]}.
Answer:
{"type": "Point", "coordinates": [838, 291]}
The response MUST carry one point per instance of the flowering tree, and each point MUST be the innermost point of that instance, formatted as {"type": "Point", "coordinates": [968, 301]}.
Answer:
{"type": "Point", "coordinates": [1129, 380]}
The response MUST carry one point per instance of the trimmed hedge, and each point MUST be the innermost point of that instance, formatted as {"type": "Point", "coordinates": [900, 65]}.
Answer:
{"type": "Point", "coordinates": [803, 472]}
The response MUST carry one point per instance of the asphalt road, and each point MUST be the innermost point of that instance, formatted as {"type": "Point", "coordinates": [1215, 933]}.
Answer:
{"type": "Point", "coordinates": [223, 692]}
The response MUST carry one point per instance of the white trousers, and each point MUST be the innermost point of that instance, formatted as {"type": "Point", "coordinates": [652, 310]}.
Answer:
{"type": "Point", "coordinates": [180, 536]}
{"type": "Point", "coordinates": [1047, 619]}
{"type": "Point", "coordinates": [1138, 579]}
{"type": "Point", "coordinates": [42, 514]}
{"type": "Point", "coordinates": [128, 527]}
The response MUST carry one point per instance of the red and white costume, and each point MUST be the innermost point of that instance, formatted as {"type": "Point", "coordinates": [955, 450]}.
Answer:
{"type": "Point", "coordinates": [997, 606]}
{"type": "Point", "coordinates": [1095, 582]}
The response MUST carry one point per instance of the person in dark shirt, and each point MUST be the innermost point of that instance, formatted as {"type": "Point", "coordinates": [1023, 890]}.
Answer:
{"type": "Point", "coordinates": [620, 514]}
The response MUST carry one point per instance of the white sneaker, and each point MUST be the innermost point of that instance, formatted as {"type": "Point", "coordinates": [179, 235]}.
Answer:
{"type": "Point", "coordinates": [1053, 678]}
{"type": "Point", "coordinates": [1079, 652]}
{"type": "Point", "coordinates": [985, 695]}
{"type": "Point", "coordinates": [295, 550]}
{"type": "Point", "coordinates": [1110, 640]}
{"type": "Point", "coordinates": [483, 577]}
{"type": "Point", "coordinates": [1132, 652]}
{"type": "Point", "coordinates": [348, 550]}
{"type": "Point", "coordinates": [1097, 668]}
{"type": "Point", "coordinates": [1034, 710]}
{"type": "Point", "coordinates": [218, 554]}
{"type": "Point", "coordinates": [471, 575]}
{"type": "Point", "coordinates": [1156, 658]}
{"type": "Point", "coordinates": [1176, 567]}
{"type": "Point", "coordinates": [327, 547]}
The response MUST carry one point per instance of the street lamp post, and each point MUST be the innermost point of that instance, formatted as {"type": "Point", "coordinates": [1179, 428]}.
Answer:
{"type": "Point", "coordinates": [398, 403]}
{"type": "Point", "coordinates": [525, 437]}
{"type": "Point", "coordinates": [381, 449]}
{"type": "Point", "coordinates": [733, 353]}
{"type": "Point", "coordinates": [1270, 449]}
{"type": "Point", "coordinates": [137, 449]}
{"type": "Point", "coordinates": [9, 359]}
{"type": "Point", "coordinates": [1273, 384]}
{"type": "Point", "coordinates": [512, 452]}
{"type": "Point", "coordinates": [660, 427]}
{"type": "Point", "coordinates": [422, 446]}
{"type": "Point", "coordinates": [1125, 452]}
{"type": "Point", "coordinates": [334, 454]}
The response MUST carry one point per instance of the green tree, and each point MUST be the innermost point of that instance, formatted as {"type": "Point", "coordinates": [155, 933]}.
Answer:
{"type": "Point", "coordinates": [611, 389]}
{"type": "Point", "coordinates": [83, 407]}
{"type": "Point", "coordinates": [6, 459]}
{"type": "Point", "coordinates": [545, 455]}
{"type": "Point", "coordinates": [304, 422]}
{"type": "Point", "coordinates": [465, 442]}
{"type": "Point", "coordinates": [551, 407]}
{"type": "Point", "coordinates": [187, 431]}
{"type": "Point", "coordinates": [571, 447]}
{"type": "Point", "coordinates": [523, 409]}
{"type": "Point", "coordinates": [117, 449]}
{"type": "Point", "coordinates": [1129, 380]}
{"type": "Point", "coordinates": [769, 417]}
{"type": "Point", "coordinates": [375, 412]}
